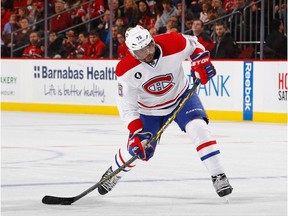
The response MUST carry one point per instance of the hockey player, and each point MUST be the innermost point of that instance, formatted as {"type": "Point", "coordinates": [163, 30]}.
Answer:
{"type": "Point", "coordinates": [151, 84]}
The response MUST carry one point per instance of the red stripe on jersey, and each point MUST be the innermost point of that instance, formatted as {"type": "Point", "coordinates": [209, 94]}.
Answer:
{"type": "Point", "coordinates": [127, 63]}
{"type": "Point", "coordinates": [167, 102]}
{"type": "Point", "coordinates": [170, 43]}
{"type": "Point", "coordinates": [204, 145]}
{"type": "Point", "coordinates": [122, 160]}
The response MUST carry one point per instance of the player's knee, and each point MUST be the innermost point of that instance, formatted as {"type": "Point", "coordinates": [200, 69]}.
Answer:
{"type": "Point", "coordinates": [198, 131]}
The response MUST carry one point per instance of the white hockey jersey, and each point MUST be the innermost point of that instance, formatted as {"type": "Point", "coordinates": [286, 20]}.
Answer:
{"type": "Point", "coordinates": [154, 89]}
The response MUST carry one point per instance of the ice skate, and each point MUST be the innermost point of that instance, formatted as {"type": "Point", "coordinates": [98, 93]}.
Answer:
{"type": "Point", "coordinates": [222, 185]}
{"type": "Point", "coordinates": [109, 184]}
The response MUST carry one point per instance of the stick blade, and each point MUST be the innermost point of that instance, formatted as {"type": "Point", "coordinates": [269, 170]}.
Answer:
{"type": "Point", "coordinates": [53, 200]}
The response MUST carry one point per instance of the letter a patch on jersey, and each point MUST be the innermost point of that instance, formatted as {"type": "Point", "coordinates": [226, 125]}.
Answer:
{"type": "Point", "coordinates": [159, 85]}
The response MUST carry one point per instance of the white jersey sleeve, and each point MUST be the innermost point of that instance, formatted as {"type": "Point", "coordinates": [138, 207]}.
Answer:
{"type": "Point", "coordinates": [194, 45]}
{"type": "Point", "coordinates": [127, 101]}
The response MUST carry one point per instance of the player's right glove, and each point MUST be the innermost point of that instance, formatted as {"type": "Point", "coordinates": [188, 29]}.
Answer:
{"type": "Point", "coordinates": [137, 143]}
{"type": "Point", "coordinates": [201, 67]}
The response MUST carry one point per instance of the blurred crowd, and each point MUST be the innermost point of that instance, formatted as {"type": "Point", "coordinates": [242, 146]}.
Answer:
{"type": "Point", "coordinates": [81, 28]}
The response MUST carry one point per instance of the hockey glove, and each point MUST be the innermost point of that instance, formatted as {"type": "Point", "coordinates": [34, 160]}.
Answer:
{"type": "Point", "coordinates": [137, 143]}
{"type": "Point", "coordinates": [202, 67]}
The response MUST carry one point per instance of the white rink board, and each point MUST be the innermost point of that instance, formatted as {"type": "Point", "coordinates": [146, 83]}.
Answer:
{"type": "Point", "coordinates": [38, 81]}
{"type": "Point", "coordinates": [94, 83]}
{"type": "Point", "coordinates": [224, 92]}
{"type": "Point", "coordinates": [271, 89]}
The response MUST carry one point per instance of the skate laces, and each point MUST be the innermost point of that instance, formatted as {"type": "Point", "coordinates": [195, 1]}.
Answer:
{"type": "Point", "coordinates": [220, 182]}
{"type": "Point", "coordinates": [110, 183]}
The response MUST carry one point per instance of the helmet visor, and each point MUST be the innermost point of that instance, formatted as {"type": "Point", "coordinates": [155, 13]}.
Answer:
{"type": "Point", "coordinates": [145, 51]}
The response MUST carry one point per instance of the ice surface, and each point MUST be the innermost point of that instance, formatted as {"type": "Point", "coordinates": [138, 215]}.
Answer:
{"type": "Point", "coordinates": [63, 155]}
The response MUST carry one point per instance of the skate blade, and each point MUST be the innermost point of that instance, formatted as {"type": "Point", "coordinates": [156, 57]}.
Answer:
{"type": "Point", "coordinates": [226, 198]}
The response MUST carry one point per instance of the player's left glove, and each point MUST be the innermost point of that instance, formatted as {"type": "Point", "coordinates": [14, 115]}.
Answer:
{"type": "Point", "coordinates": [202, 67]}
{"type": "Point", "coordinates": [137, 143]}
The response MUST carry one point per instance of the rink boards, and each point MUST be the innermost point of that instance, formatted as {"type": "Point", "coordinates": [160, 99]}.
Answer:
{"type": "Point", "coordinates": [241, 90]}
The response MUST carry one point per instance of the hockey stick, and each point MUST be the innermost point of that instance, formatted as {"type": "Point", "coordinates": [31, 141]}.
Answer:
{"type": "Point", "coordinates": [54, 200]}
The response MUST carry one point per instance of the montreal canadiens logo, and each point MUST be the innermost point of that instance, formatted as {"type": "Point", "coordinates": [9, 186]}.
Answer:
{"type": "Point", "coordinates": [159, 85]}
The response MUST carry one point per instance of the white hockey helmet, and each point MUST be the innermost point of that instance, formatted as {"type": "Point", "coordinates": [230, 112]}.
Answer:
{"type": "Point", "coordinates": [139, 42]}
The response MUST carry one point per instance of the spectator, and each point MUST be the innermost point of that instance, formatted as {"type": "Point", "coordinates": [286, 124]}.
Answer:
{"type": "Point", "coordinates": [153, 31]}
{"type": "Point", "coordinates": [117, 11]}
{"type": "Point", "coordinates": [180, 8]}
{"type": "Point", "coordinates": [131, 17]}
{"type": "Point", "coordinates": [169, 10]}
{"type": "Point", "coordinates": [146, 18]}
{"type": "Point", "coordinates": [122, 48]}
{"type": "Point", "coordinates": [236, 21]}
{"type": "Point", "coordinates": [237, 5]}
{"type": "Point", "coordinates": [96, 46]}
{"type": "Point", "coordinates": [12, 25]}
{"type": "Point", "coordinates": [227, 5]}
{"type": "Point", "coordinates": [22, 37]}
{"type": "Point", "coordinates": [83, 43]}
{"type": "Point", "coordinates": [4, 50]}
{"type": "Point", "coordinates": [104, 27]}
{"type": "Point", "coordinates": [5, 14]}
{"type": "Point", "coordinates": [188, 25]}
{"type": "Point", "coordinates": [276, 41]}
{"type": "Point", "coordinates": [115, 44]}
{"type": "Point", "coordinates": [171, 24]}
{"type": "Point", "coordinates": [23, 12]}
{"type": "Point", "coordinates": [281, 10]}
{"type": "Point", "coordinates": [7, 4]}
{"type": "Point", "coordinates": [171, 29]}
{"type": "Point", "coordinates": [225, 46]}
{"type": "Point", "coordinates": [63, 19]}
{"type": "Point", "coordinates": [39, 18]}
{"type": "Point", "coordinates": [35, 50]}
{"type": "Point", "coordinates": [69, 43]}
{"type": "Point", "coordinates": [203, 37]}
{"type": "Point", "coordinates": [32, 7]}
{"type": "Point", "coordinates": [211, 15]}
{"type": "Point", "coordinates": [77, 13]}
{"type": "Point", "coordinates": [194, 8]}
{"type": "Point", "coordinates": [217, 4]}
{"type": "Point", "coordinates": [8, 35]}
{"type": "Point", "coordinates": [204, 13]}
{"type": "Point", "coordinates": [120, 24]}
{"type": "Point", "coordinates": [19, 4]}
{"type": "Point", "coordinates": [96, 9]}
{"type": "Point", "coordinates": [55, 48]}
{"type": "Point", "coordinates": [152, 6]}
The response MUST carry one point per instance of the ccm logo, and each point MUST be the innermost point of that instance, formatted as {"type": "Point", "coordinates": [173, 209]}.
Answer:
{"type": "Point", "coordinates": [200, 61]}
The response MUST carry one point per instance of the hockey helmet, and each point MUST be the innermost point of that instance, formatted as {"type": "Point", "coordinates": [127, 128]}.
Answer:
{"type": "Point", "coordinates": [139, 42]}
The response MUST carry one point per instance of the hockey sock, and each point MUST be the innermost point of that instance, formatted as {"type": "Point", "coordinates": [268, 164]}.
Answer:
{"type": "Point", "coordinates": [206, 146]}
{"type": "Point", "coordinates": [121, 157]}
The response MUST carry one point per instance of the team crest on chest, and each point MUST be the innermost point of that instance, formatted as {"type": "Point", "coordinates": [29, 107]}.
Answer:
{"type": "Point", "coordinates": [159, 85]}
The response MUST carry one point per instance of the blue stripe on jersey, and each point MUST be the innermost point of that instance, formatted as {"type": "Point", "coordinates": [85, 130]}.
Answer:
{"type": "Point", "coordinates": [210, 155]}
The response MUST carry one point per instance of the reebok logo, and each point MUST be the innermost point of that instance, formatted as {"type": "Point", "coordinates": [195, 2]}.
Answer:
{"type": "Point", "coordinates": [247, 87]}
{"type": "Point", "coordinates": [248, 91]}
